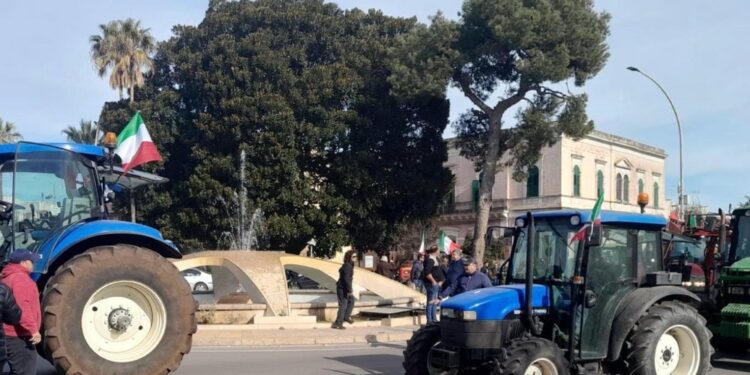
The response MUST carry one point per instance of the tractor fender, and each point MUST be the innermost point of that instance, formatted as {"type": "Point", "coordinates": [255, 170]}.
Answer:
{"type": "Point", "coordinates": [634, 305]}
{"type": "Point", "coordinates": [83, 236]}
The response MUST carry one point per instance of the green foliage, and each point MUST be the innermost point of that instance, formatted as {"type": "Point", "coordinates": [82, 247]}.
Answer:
{"type": "Point", "coordinates": [302, 87]}
{"type": "Point", "coordinates": [8, 132]}
{"type": "Point", "coordinates": [85, 133]}
{"type": "Point", "coordinates": [512, 50]}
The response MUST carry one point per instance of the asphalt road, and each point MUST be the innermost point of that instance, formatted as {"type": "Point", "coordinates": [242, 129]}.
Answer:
{"type": "Point", "coordinates": [340, 360]}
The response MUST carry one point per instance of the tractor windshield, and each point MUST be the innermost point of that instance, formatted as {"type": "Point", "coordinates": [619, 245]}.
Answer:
{"type": "Point", "coordinates": [554, 251]}
{"type": "Point", "coordinates": [742, 238]}
{"type": "Point", "coordinates": [50, 189]}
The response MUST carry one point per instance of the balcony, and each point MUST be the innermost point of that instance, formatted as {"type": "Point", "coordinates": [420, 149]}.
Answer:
{"type": "Point", "coordinates": [468, 207]}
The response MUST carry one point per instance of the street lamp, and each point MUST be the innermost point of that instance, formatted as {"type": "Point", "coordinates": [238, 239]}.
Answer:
{"type": "Point", "coordinates": [681, 186]}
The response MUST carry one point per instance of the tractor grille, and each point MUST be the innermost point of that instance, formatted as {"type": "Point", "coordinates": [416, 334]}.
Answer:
{"type": "Point", "coordinates": [479, 334]}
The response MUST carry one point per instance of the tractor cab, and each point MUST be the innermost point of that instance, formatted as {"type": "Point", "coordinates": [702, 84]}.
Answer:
{"type": "Point", "coordinates": [45, 189]}
{"type": "Point", "coordinates": [568, 260]}
{"type": "Point", "coordinates": [574, 294]}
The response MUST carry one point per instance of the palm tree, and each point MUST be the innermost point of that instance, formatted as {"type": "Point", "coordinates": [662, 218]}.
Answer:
{"type": "Point", "coordinates": [84, 133]}
{"type": "Point", "coordinates": [124, 49]}
{"type": "Point", "coordinates": [8, 132]}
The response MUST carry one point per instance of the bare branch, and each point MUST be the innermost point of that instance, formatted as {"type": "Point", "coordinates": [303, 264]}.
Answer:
{"type": "Point", "coordinates": [512, 100]}
{"type": "Point", "coordinates": [542, 90]}
{"type": "Point", "coordinates": [463, 80]}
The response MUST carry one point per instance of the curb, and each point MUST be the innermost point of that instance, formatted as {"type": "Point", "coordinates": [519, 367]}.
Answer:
{"type": "Point", "coordinates": [241, 336]}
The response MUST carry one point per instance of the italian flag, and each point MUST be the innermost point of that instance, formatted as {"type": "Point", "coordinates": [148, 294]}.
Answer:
{"type": "Point", "coordinates": [595, 219]}
{"type": "Point", "coordinates": [134, 144]}
{"type": "Point", "coordinates": [447, 245]}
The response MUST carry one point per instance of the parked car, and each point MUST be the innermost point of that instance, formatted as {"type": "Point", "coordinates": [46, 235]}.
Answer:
{"type": "Point", "coordinates": [296, 281]}
{"type": "Point", "coordinates": [200, 281]}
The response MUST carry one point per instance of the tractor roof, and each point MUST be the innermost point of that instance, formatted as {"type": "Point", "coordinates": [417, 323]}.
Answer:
{"type": "Point", "coordinates": [607, 217]}
{"type": "Point", "coordinates": [93, 152]}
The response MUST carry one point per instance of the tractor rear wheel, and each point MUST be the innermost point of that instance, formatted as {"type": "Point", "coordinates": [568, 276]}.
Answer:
{"type": "Point", "coordinates": [671, 338]}
{"type": "Point", "coordinates": [118, 310]}
{"type": "Point", "coordinates": [531, 356]}
{"type": "Point", "coordinates": [416, 355]}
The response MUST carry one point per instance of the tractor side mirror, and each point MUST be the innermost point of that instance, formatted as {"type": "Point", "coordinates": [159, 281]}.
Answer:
{"type": "Point", "coordinates": [596, 235]}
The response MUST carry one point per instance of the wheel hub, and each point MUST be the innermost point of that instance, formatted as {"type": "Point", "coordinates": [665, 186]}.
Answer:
{"type": "Point", "coordinates": [123, 321]}
{"type": "Point", "coordinates": [541, 366]}
{"type": "Point", "coordinates": [120, 319]}
{"type": "Point", "coordinates": [677, 352]}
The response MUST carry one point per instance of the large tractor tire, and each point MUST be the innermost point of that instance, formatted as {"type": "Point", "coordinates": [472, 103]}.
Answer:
{"type": "Point", "coordinates": [416, 355]}
{"type": "Point", "coordinates": [671, 338]}
{"type": "Point", "coordinates": [118, 310]}
{"type": "Point", "coordinates": [531, 356]}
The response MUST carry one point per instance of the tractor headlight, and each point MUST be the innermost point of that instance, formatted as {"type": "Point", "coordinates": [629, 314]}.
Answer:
{"type": "Point", "coordinates": [469, 315]}
{"type": "Point", "coordinates": [448, 313]}
{"type": "Point", "coordinates": [737, 290]}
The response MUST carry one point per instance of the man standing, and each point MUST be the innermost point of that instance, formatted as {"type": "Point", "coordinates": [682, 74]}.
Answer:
{"type": "Point", "coordinates": [10, 313]}
{"type": "Point", "coordinates": [433, 279]}
{"type": "Point", "coordinates": [23, 336]}
{"type": "Point", "coordinates": [470, 280]}
{"type": "Point", "coordinates": [385, 268]}
{"type": "Point", "coordinates": [455, 268]}
{"type": "Point", "coordinates": [344, 291]}
{"type": "Point", "coordinates": [417, 273]}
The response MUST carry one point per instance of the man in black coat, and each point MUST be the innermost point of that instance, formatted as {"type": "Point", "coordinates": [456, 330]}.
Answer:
{"type": "Point", "coordinates": [344, 291]}
{"type": "Point", "coordinates": [10, 313]}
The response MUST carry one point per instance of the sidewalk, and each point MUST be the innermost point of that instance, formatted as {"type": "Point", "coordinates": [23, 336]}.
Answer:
{"type": "Point", "coordinates": [322, 334]}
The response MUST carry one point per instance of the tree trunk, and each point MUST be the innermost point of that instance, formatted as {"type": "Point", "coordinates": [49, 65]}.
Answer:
{"type": "Point", "coordinates": [132, 94]}
{"type": "Point", "coordinates": [486, 183]}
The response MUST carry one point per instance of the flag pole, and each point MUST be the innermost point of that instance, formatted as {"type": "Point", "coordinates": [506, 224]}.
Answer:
{"type": "Point", "coordinates": [132, 206]}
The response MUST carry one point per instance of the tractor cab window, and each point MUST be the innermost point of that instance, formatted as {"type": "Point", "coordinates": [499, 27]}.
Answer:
{"type": "Point", "coordinates": [649, 253]}
{"type": "Point", "coordinates": [50, 189]}
{"type": "Point", "coordinates": [742, 239]}
{"type": "Point", "coordinates": [554, 253]}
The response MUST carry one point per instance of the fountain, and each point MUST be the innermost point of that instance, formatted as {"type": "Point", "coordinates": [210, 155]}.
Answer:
{"type": "Point", "coordinates": [247, 229]}
{"type": "Point", "coordinates": [251, 286]}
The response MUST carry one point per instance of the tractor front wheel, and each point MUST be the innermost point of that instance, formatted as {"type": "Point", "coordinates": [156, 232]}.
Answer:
{"type": "Point", "coordinates": [671, 338]}
{"type": "Point", "coordinates": [531, 356]}
{"type": "Point", "coordinates": [416, 355]}
{"type": "Point", "coordinates": [118, 310]}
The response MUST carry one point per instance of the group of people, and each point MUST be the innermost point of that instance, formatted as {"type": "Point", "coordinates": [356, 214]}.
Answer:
{"type": "Point", "coordinates": [20, 314]}
{"type": "Point", "coordinates": [440, 281]}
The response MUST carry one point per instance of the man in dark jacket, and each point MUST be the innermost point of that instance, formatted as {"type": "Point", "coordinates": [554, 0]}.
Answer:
{"type": "Point", "coordinates": [386, 268]}
{"type": "Point", "coordinates": [470, 280]}
{"type": "Point", "coordinates": [455, 268]}
{"type": "Point", "coordinates": [417, 273]}
{"type": "Point", "coordinates": [433, 279]}
{"type": "Point", "coordinates": [344, 291]}
{"type": "Point", "coordinates": [10, 313]}
{"type": "Point", "coordinates": [23, 336]}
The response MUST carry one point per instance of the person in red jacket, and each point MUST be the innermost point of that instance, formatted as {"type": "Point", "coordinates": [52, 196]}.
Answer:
{"type": "Point", "coordinates": [22, 337]}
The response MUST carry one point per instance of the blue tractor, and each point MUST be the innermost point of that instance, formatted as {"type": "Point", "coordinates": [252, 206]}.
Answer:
{"type": "Point", "coordinates": [112, 302]}
{"type": "Point", "coordinates": [593, 304]}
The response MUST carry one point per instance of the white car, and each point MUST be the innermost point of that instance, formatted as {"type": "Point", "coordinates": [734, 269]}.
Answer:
{"type": "Point", "coordinates": [200, 281]}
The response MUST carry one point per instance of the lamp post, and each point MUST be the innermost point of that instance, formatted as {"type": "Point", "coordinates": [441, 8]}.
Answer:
{"type": "Point", "coordinates": [681, 186]}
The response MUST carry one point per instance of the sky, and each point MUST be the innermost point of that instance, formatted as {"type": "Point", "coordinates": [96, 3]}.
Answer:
{"type": "Point", "coordinates": [695, 49]}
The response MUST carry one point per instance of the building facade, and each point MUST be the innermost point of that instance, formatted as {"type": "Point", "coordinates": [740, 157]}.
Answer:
{"type": "Point", "coordinates": [568, 175]}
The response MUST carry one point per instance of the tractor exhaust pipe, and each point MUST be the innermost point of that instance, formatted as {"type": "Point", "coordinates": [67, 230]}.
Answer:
{"type": "Point", "coordinates": [528, 310]}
